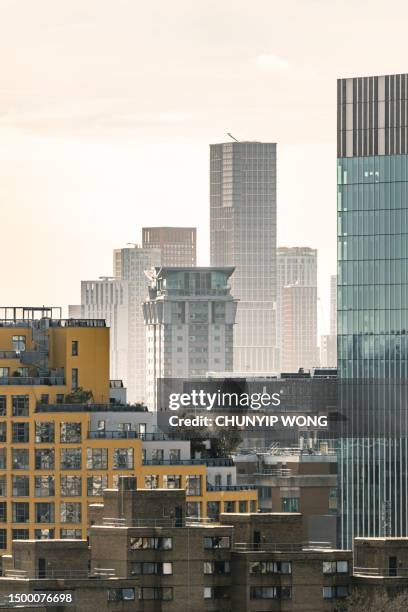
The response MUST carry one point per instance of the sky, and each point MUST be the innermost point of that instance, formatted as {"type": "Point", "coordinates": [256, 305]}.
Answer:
{"type": "Point", "coordinates": [107, 108]}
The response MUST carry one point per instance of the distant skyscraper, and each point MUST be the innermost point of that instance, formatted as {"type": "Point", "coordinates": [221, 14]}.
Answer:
{"type": "Point", "coordinates": [299, 328]}
{"type": "Point", "coordinates": [74, 311]}
{"type": "Point", "coordinates": [328, 342]}
{"type": "Point", "coordinates": [372, 205]}
{"type": "Point", "coordinates": [189, 319]}
{"type": "Point", "coordinates": [333, 305]}
{"type": "Point", "coordinates": [243, 234]}
{"type": "Point", "coordinates": [119, 301]}
{"type": "Point", "coordinates": [296, 266]}
{"type": "Point", "coordinates": [178, 245]}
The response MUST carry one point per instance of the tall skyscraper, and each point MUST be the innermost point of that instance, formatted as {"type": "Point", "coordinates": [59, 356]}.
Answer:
{"type": "Point", "coordinates": [297, 266]}
{"type": "Point", "coordinates": [372, 204]}
{"type": "Point", "coordinates": [178, 245]}
{"type": "Point", "coordinates": [333, 305]}
{"type": "Point", "coordinates": [119, 300]}
{"type": "Point", "coordinates": [243, 235]}
{"type": "Point", "coordinates": [299, 328]}
{"type": "Point", "coordinates": [189, 320]}
{"type": "Point", "coordinates": [328, 342]}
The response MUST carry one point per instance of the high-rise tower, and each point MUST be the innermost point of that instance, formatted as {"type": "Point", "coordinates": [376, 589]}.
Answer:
{"type": "Point", "coordinates": [372, 302]}
{"type": "Point", "coordinates": [243, 235]}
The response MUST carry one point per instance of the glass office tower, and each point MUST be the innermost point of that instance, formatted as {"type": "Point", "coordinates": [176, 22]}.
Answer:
{"type": "Point", "coordinates": [372, 298]}
{"type": "Point", "coordinates": [243, 235]}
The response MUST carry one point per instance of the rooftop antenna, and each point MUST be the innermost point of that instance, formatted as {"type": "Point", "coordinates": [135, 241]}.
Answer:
{"type": "Point", "coordinates": [132, 244]}
{"type": "Point", "coordinates": [233, 137]}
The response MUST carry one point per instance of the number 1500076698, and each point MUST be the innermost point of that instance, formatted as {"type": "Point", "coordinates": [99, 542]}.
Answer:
{"type": "Point", "coordinates": [50, 598]}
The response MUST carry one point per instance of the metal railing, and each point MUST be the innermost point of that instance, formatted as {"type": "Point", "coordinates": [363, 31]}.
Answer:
{"type": "Point", "coordinates": [9, 355]}
{"type": "Point", "coordinates": [280, 546]}
{"type": "Point", "coordinates": [211, 462]}
{"type": "Point", "coordinates": [89, 407]}
{"type": "Point", "coordinates": [381, 572]}
{"type": "Point", "coordinates": [51, 574]}
{"type": "Point", "coordinates": [240, 487]}
{"type": "Point", "coordinates": [33, 380]}
{"type": "Point", "coordinates": [114, 435]}
{"type": "Point", "coordinates": [162, 522]}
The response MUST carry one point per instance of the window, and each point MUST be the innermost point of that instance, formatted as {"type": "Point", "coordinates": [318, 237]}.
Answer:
{"type": "Point", "coordinates": [74, 381]}
{"type": "Point", "coordinates": [123, 458]}
{"type": "Point", "coordinates": [21, 486]}
{"type": "Point", "coordinates": [213, 509]}
{"type": "Point", "coordinates": [171, 481]}
{"type": "Point", "coordinates": [44, 512]}
{"type": "Point", "coordinates": [71, 534]}
{"type": "Point", "coordinates": [21, 372]}
{"type": "Point", "coordinates": [217, 542]}
{"type": "Point", "coordinates": [3, 538]}
{"type": "Point", "coordinates": [19, 343]}
{"type": "Point", "coordinates": [97, 458]}
{"type": "Point", "coordinates": [75, 348]}
{"type": "Point", "coordinates": [270, 593]}
{"type": "Point", "coordinates": [21, 513]}
{"type": "Point", "coordinates": [193, 485]}
{"type": "Point", "coordinates": [20, 405]}
{"type": "Point", "coordinates": [44, 534]}
{"type": "Point", "coordinates": [3, 432]}
{"type": "Point", "coordinates": [151, 481]}
{"type": "Point", "coordinates": [335, 567]}
{"type": "Point", "coordinates": [334, 592]}
{"type": "Point", "coordinates": [96, 485]}
{"type": "Point", "coordinates": [217, 480]}
{"type": "Point", "coordinates": [19, 458]}
{"type": "Point", "coordinates": [242, 506]}
{"type": "Point", "coordinates": [3, 486]}
{"type": "Point", "coordinates": [151, 543]}
{"type": "Point", "coordinates": [270, 567]}
{"type": "Point", "coordinates": [44, 432]}
{"type": "Point", "coordinates": [71, 486]}
{"type": "Point", "coordinates": [217, 592]}
{"type": "Point", "coordinates": [217, 567]}
{"type": "Point", "coordinates": [59, 398]}
{"type": "Point", "coordinates": [44, 486]}
{"type": "Point", "coordinates": [161, 569]}
{"type": "Point", "coordinates": [229, 506]}
{"type": "Point", "coordinates": [70, 512]}
{"type": "Point", "coordinates": [174, 455]}
{"type": "Point", "coordinates": [3, 403]}
{"type": "Point", "coordinates": [44, 459]}
{"type": "Point", "coordinates": [193, 509]}
{"type": "Point", "coordinates": [45, 399]}
{"type": "Point", "coordinates": [121, 594]}
{"type": "Point", "coordinates": [71, 458]}
{"type": "Point", "coordinates": [21, 432]}
{"type": "Point", "coordinates": [70, 433]}
{"type": "Point", "coordinates": [156, 593]}
{"type": "Point", "coordinates": [4, 373]}
{"type": "Point", "coordinates": [290, 504]}
{"type": "Point", "coordinates": [3, 512]}
{"type": "Point", "coordinates": [3, 459]}
{"type": "Point", "coordinates": [157, 455]}
{"type": "Point", "coordinates": [20, 534]}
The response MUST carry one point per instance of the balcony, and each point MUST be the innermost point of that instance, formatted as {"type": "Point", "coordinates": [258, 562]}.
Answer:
{"type": "Point", "coordinates": [381, 572]}
{"type": "Point", "coordinates": [126, 435]}
{"type": "Point", "coordinates": [280, 546]}
{"type": "Point", "coordinates": [241, 487]}
{"type": "Point", "coordinates": [9, 355]}
{"type": "Point", "coordinates": [162, 522]}
{"type": "Point", "coordinates": [212, 462]}
{"type": "Point", "coordinates": [89, 407]}
{"type": "Point", "coordinates": [33, 380]}
{"type": "Point", "coordinates": [50, 574]}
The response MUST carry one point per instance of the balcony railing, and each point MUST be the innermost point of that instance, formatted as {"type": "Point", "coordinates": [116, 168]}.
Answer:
{"type": "Point", "coordinates": [381, 572]}
{"type": "Point", "coordinates": [241, 487]}
{"type": "Point", "coordinates": [89, 408]}
{"type": "Point", "coordinates": [32, 380]}
{"type": "Point", "coordinates": [67, 574]}
{"type": "Point", "coordinates": [162, 522]}
{"type": "Point", "coordinates": [212, 462]}
{"type": "Point", "coordinates": [280, 546]}
{"type": "Point", "coordinates": [8, 355]}
{"type": "Point", "coordinates": [132, 435]}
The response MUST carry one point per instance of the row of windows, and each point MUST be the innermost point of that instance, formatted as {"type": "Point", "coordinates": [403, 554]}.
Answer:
{"type": "Point", "coordinates": [370, 169]}
{"type": "Point", "coordinates": [44, 512]}
{"type": "Point", "coordinates": [359, 248]}
{"type": "Point", "coordinates": [70, 433]}
{"type": "Point", "coordinates": [382, 196]}
{"type": "Point", "coordinates": [369, 272]}
{"type": "Point", "coordinates": [70, 458]}
{"type": "Point", "coordinates": [44, 486]}
{"type": "Point", "coordinates": [360, 297]}
{"type": "Point", "coordinates": [163, 543]}
{"type": "Point", "coordinates": [39, 534]}
{"type": "Point", "coordinates": [144, 593]}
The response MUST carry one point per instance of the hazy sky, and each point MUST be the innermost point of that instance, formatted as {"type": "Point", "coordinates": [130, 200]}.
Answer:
{"type": "Point", "coordinates": [107, 108]}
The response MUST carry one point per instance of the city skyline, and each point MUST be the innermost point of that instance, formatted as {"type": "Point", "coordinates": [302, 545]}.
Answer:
{"type": "Point", "coordinates": [91, 107]}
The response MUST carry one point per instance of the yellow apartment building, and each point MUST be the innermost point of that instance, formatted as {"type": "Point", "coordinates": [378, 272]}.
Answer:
{"type": "Point", "coordinates": [54, 460]}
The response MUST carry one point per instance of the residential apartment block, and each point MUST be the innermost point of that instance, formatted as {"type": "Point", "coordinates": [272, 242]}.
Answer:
{"type": "Point", "coordinates": [178, 245]}
{"type": "Point", "coordinates": [64, 438]}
